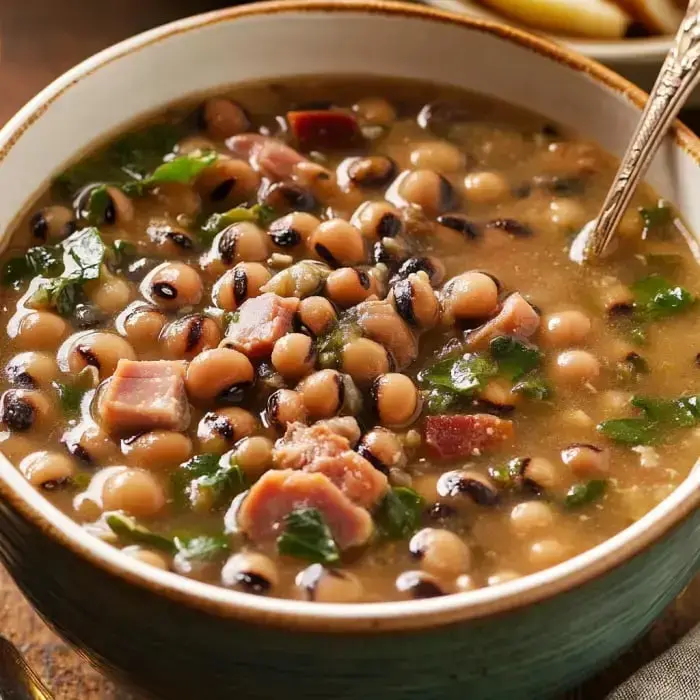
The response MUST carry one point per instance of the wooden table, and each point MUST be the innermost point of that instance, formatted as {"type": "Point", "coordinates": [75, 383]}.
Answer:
{"type": "Point", "coordinates": [39, 39]}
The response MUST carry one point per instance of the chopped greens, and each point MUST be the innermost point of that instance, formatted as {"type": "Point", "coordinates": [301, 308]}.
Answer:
{"type": "Point", "coordinates": [509, 475]}
{"type": "Point", "coordinates": [533, 386]}
{"type": "Point", "coordinates": [656, 217]}
{"type": "Point", "coordinates": [70, 396]}
{"type": "Point", "coordinates": [660, 417]}
{"type": "Point", "coordinates": [97, 205]}
{"type": "Point", "coordinates": [201, 547]}
{"type": "Point", "coordinates": [514, 357]}
{"type": "Point", "coordinates": [584, 494]}
{"type": "Point", "coordinates": [258, 214]}
{"type": "Point", "coordinates": [656, 298]}
{"type": "Point", "coordinates": [208, 474]}
{"type": "Point", "coordinates": [399, 513]}
{"type": "Point", "coordinates": [182, 169]}
{"type": "Point", "coordinates": [307, 536]}
{"type": "Point", "coordinates": [128, 529]}
{"type": "Point", "coordinates": [122, 252]}
{"type": "Point", "coordinates": [44, 260]}
{"type": "Point", "coordinates": [463, 375]}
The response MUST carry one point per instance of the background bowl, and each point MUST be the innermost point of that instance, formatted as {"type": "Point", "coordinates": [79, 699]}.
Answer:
{"type": "Point", "coordinates": [179, 638]}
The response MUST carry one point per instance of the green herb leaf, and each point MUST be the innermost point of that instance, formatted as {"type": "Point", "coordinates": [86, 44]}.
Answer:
{"type": "Point", "coordinates": [439, 400]}
{"type": "Point", "coordinates": [656, 298]}
{"type": "Point", "coordinates": [631, 368]}
{"type": "Point", "coordinates": [514, 357]}
{"type": "Point", "coordinates": [307, 536]}
{"type": "Point", "coordinates": [656, 217]}
{"type": "Point", "coordinates": [463, 375]}
{"type": "Point", "coordinates": [70, 396]}
{"type": "Point", "coordinates": [182, 169]}
{"type": "Point", "coordinates": [580, 495]}
{"type": "Point", "coordinates": [630, 431]}
{"type": "Point", "coordinates": [39, 260]}
{"type": "Point", "coordinates": [128, 529]}
{"type": "Point", "coordinates": [96, 205]}
{"type": "Point", "coordinates": [398, 515]}
{"type": "Point", "coordinates": [122, 252]}
{"type": "Point", "coordinates": [508, 475]}
{"type": "Point", "coordinates": [208, 472]}
{"type": "Point", "coordinates": [534, 387]}
{"type": "Point", "coordinates": [258, 214]}
{"type": "Point", "coordinates": [202, 547]}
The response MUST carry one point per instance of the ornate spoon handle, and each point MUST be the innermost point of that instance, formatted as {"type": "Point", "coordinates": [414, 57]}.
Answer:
{"type": "Point", "coordinates": [679, 75]}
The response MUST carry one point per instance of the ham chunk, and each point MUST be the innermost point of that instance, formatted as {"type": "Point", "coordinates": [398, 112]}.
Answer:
{"type": "Point", "coordinates": [321, 449]}
{"type": "Point", "coordinates": [516, 317]}
{"type": "Point", "coordinates": [451, 437]}
{"type": "Point", "coordinates": [146, 395]}
{"type": "Point", "coordinates": [262, 321]}
{"type": "Point", "coordinates": [380, 322]}
{"type": "Point", "coordinates": [268, 156]}
{"type": "Point", "coordinates": [277, 493]}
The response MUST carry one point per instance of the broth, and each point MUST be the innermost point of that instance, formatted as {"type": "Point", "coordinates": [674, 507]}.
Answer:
{"type": "Point", "coordinates": [470, 407]}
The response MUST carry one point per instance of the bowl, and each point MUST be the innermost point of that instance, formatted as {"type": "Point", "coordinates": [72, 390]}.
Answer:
{"type": "Point", "coordinates": [178, 638]}
{"type": "Point", "coordinates": [637, 59]}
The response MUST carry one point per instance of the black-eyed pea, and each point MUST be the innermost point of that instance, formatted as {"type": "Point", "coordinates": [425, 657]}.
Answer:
{"type": "Point", "coordinates": [471, 295]}
{"type": "Point", "coordinates": [567, 213]}
{"type": "Point", "coordinates": [327, 393]}
{"type": "Point", "coordinates": [91, 445]}
{"type": "Point", "coordinates": [426, 485]}
{"type": "Point", "coordinates": [499, 393]}
{"type": "Point", "coordinates": [173, 285]}
{"type": "Point", "coordinates": [189, 336]}
{"type": "Point", "coordinates": [396, 400]}
{"type": "Point", "coordinates": [576, 367]}
{"type": "Point", "coordinates": [47, 470]}
{"type": "Point", "coordinates": [109, 293]}
{"type": "Point", "coordinates": [368, 172]}
{"type": "Point", "coordinates": [253, 455]}
{"type": "Point", "coordinates": [157, 449]}
{"type": "Point", "coordinates": [383, 449]}
{"type": "Point", "coordinates": [586, 461]}
{"type": "Point", "coordinates": [239, 284]}
{"type": "Point", "coordinates": [324, 585]}
{"type": "Point", "coordinates": [417, 585]}
{"type": "Point", "coordinates": [293, 229]}
{"type": "Point", "coordinates": [135, 491]}
{"type": "Point", "coordinates": [218, 431]}
{"type": "Point", "coordinates": [177, 199]}
{"type": "Point", "coordinates": [98, 349]}
{"type": "Point", "coordinates": [148, 556]}
{"type": "Point", "coordinates": [223, 118]}
{"type": "Point", "coordinates": [219, 373]}
{"type": "Point", "coordinates": [565, 328]}
{"type": "Point", "coordinates": [227, 182]}
{"type": "Point", "coordinates": [294, 355]}
{"type": "Point", "coordinates": [338, 243]}
{"type": "Point", "coordinates": [547, 552]}
{"type": "Point", "coordinates": [242, 242]}
{"type": "Point", "coordinates": [24, 409]}
{"type": "Point", "coordinates": [142, 327]}
{"type": "Point", "coordinates": [250, 572]}
{"type": "Point", "coordinates": [286, 406]}
{"type": "Point", "coordinates": [486, 187]}
{"type": "Point", "coordinates": [286, 197]}
{"type": "Point", "coordinates": [432, 266]}
{"type": "Point", "coordinates": [365, 360]}
{"type": "Point", "coordinates": [530, 516]}
{"type": "Point", "coordinates": [441, 156]}
{"type": "Point", "coordinates": [440, 552]}
{"type": "Point", "coordinates": [631, 226]}
{"type": "Point", "coordinates": [541, 472]}
{"type": "Point", "coordinates": [40, 330]}
{"type": "Point", "coordinates": [52, 223]}
{"type": "Point", "coordinates": [32, 369]}
{"type": "Point", "coordinates": [378, 220]}
{"type": "Point", "coordinates": [415, 301]}
{"type": "Point", "coordinates": [464, 484]}
{"type": "Point", "coordinates": [375, 111]}
{"type": "Point", "coordinates": [316, 314]}
{"type": "Point", "coordinates": [170, 241]}
{"type": "Point", "coordinates": [426, 189]}
{"type": "Point", "coordinates": [348, 286]}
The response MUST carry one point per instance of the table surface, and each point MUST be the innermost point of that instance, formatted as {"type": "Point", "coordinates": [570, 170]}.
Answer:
{"type": "Point", "coordinates": [39, 39]}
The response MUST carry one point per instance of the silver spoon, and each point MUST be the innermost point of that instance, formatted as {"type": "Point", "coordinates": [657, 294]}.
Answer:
{"type": "Point", "coordinates": [17, 679]}
{"type": "Point", "coordinates": [679, 75]}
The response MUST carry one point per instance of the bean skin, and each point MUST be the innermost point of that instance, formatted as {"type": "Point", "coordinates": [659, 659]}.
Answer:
{"type": "Point", "coordinates": [134, 491]}
{"type": "Point", "coordinates": [173, 285]}
{"type": "Point", "coordinates": [185, 338]}
{"type": "Point", "coordinates": [214, 372]}
{"type": "Point", "coordinates": [158, 449]}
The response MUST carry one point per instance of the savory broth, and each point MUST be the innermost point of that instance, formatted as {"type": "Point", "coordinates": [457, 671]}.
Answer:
{"type": "Point", "coordinates": [310, 342]}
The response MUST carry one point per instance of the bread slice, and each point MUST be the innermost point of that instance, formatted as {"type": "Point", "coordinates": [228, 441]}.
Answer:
{"type": "Point", "coordinates": [588, 18]}
{"type": "Point", "coordinates": [658, 16]}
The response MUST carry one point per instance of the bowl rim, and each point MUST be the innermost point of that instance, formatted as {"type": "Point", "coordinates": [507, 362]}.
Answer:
{"type": "Point", "coordinates": [332, 617]}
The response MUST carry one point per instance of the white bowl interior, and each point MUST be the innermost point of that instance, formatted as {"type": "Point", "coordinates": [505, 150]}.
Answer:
{"type": "Point", "coordinates": [200, 55]}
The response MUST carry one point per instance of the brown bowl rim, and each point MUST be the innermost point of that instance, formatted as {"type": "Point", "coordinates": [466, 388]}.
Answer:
{"type": "Point", "coordinates": [338, 618]}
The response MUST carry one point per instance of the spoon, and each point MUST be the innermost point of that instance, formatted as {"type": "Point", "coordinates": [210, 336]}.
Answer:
{"type": "Point", "coordinates": [679, 75]}
{"type": "Point", "coordinates": [17, 679]}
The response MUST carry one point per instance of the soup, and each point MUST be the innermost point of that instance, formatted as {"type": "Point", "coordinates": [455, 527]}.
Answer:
{"type": "Point", "coordinates": [309, 342]}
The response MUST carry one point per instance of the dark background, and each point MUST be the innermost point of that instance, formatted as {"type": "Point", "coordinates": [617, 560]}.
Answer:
{"type": "Point", "coordinates": [39, 40]}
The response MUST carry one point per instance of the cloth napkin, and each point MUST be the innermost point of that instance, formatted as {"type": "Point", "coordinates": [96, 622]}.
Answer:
{"type": "Point", "coordinates": [675, 675]}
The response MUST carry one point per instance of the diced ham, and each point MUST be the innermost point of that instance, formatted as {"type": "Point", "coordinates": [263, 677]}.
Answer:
{"type": "Point", "coordinates": [268, 156]}
{"type": "Point", "coordinates": [145, 395]}
{"type": "Point", "coordinates": [321, 449]}
{"type": "Point", "coordinates": [277, 493]}
{"type": "Point", "coordinates": [516, 317]}
{"type": "Point", "coordinates": [380, 322]}
{"type": "Point", "coordinates": [318, 129]}
{"type": "Point", "coordinates": [261, 322]}
{"type": "Point", "coordinates": [451, 437]}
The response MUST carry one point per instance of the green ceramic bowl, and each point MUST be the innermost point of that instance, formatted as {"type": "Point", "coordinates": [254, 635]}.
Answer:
{"type": "Point", "coordinates": [180, 639]}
